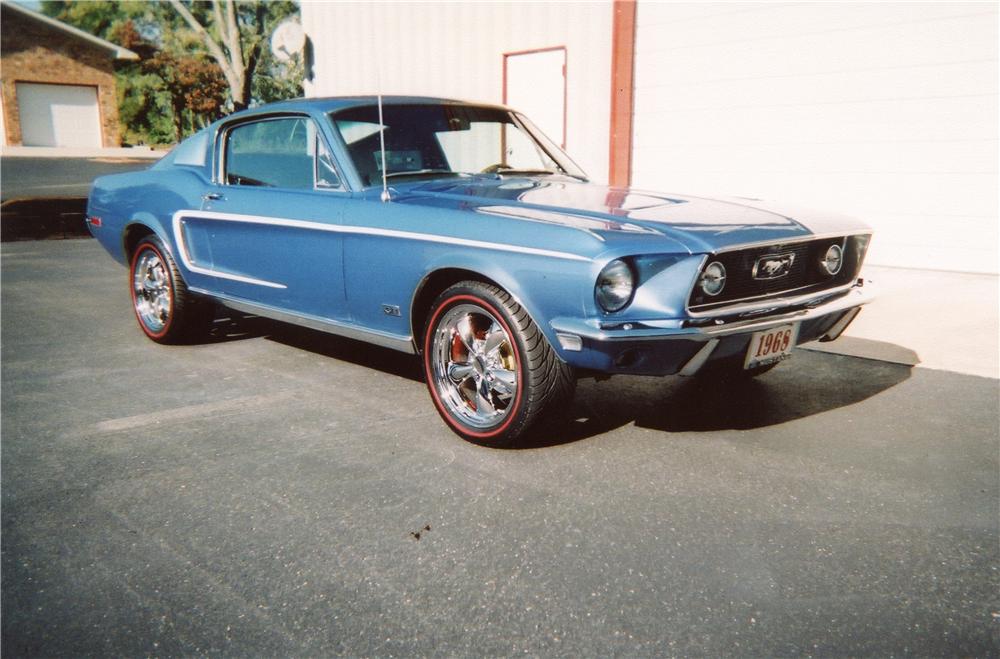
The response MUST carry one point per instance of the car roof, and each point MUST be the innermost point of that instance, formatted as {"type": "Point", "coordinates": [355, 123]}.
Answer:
{"type": "Point", "coordinates": [332, 103]}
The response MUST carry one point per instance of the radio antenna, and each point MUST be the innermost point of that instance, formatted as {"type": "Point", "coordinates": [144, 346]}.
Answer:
{"type": "Point", "coordinates": [381, 138]}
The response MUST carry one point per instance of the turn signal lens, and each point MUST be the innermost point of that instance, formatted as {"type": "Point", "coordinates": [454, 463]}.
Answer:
{"type": "Point", "coordinates": [614, 286]}
{"type": "Point", "coordinates": [833, 260]}
{"type": "Point", "coordinates": [713, 279]}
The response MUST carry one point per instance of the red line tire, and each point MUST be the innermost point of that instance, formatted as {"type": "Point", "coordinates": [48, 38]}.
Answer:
{"type": "Point", "coordinates": [491, 373]}
{"type": "Point", "coordinates": [166, 310]}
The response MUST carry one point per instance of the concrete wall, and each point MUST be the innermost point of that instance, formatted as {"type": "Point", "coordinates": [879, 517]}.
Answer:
{"type": "Point", "coordinates": [885, 111]}
{"type": "Point", "coordinates": [31, 51]}
{"type": "Point", "coordinates": [456, 50]}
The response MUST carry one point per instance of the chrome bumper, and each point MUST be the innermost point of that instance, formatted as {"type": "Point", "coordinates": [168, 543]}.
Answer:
{"type": "Point", "coordinates": [569, 331]}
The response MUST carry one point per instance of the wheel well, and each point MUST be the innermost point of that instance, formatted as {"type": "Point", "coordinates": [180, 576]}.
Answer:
{"type": "Point", "coordinates": [133, 234]}
{"type": "Point", "coordinates": [432, 286]}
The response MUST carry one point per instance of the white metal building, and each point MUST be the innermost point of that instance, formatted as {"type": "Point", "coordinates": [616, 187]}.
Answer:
{"type": "Point", "coordinates": [885, 111]}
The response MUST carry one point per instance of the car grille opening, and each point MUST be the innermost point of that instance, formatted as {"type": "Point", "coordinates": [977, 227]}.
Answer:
{"type": "Point", "coordinates": [804, 275]}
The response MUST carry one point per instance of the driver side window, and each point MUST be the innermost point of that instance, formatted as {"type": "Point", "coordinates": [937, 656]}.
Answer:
{"type": "Point", "coordinates": [283, 152]}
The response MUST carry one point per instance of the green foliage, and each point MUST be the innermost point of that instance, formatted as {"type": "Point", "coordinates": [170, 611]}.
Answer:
{"type": "Point", "coordinates": [98, 17]}
{"type": "Point", "coordinates": [145, 110]}
{"type": "Point", "coordinates": [274, 80]}
{"type": "Point", "coordinates": [176, 88]}
{"type": "Point", "coordinates": [277, 81]}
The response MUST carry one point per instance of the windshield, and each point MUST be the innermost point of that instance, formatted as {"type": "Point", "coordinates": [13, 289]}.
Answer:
{"type": "Point", "coordinates": [446, 140]}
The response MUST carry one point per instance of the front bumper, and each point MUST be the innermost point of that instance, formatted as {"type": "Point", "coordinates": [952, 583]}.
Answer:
{"type": "Point", "coordinates": [683, 346]}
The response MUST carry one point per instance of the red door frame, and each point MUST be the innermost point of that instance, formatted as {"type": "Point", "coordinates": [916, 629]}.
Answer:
{"type": "Point", "coordinates": [565, 78]}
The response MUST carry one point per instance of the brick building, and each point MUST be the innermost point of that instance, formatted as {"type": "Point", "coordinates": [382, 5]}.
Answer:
{"type": "Point", "coordinates": [58, 84]}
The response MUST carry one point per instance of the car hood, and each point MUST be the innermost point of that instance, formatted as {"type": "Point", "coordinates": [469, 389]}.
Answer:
{"type": "Point", "coordinates": [701, 224]}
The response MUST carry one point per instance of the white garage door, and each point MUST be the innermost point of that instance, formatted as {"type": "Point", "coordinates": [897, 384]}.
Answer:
{"type": "Point", "coordinates": [58, 115]}
{"type": "Point", "coordinates": [884, 111]}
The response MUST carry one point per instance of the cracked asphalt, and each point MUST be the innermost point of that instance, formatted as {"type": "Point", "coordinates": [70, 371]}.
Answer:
{"type": "Point", "coordinates": [280, 492]}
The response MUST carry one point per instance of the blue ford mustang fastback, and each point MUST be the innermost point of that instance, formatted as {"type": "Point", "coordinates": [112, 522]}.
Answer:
{"type": "Point", "coordinates": [459, 232]}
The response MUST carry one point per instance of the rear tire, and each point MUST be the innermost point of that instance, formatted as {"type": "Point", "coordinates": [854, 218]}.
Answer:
{"type": "Point", "coordinates": [490, 371]}
{"type": "Point", "coordinates": [166, 310]}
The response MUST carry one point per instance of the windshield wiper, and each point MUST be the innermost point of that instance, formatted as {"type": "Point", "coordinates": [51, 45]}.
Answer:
{"type": "Point", "coordinates": [422, 172]}
{"type": "Point", "coordinates": [539, 172]}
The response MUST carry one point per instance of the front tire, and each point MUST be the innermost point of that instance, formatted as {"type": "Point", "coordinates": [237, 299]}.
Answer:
{"type": "Point", "coordinates": [491, 373]}
{"type": "Point", "coordinates": [166, 310]}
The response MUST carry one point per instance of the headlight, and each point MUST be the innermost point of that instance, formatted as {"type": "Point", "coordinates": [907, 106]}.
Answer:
{"type": "Point", "coordinates": [713, 279]}
{"type": "Point", "coordinates": [614, 286]}
{"type": "Point", "coordinates": [833, 260]}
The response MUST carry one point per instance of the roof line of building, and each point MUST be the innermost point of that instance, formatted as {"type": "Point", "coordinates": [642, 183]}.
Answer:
{"type": "Point", "coordinates": [119, 51]}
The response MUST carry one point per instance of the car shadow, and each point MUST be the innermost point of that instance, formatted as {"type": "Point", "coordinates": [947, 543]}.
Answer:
{"type": "Point", "coordinates": [235, 326]}
{"type": "Point", "coordinates": [230, 325]}
{"type": "Point", "coordinates": [238, 326]}
{"type": "Point", "coordinates": [810, 383]}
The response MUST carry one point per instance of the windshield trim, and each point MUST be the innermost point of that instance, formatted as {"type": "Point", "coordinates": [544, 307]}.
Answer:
{"type": "Point", "coordinates": [565, 166]}
{"type": "Point", "coordinates": [551, 149]}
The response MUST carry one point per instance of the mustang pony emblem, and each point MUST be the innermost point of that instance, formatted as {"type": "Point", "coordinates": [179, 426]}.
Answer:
{"type": "Point", "coordinates": [773, 266]}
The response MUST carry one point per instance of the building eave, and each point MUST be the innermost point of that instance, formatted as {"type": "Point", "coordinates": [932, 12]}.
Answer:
{"type": "Point", "coordinates": [118, 52]}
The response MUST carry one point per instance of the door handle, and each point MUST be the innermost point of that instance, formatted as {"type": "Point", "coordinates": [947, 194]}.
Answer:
{"type": "Point", "coordinates": [212, 196]}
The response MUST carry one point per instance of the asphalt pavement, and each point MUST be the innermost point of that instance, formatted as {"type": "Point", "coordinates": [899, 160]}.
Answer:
{"type": "Point", "coordinates": [280, 492]}
{"type": "Point", "coordinates": [31, 178]}
{"type": "Point", "coordinates": [45, 198]}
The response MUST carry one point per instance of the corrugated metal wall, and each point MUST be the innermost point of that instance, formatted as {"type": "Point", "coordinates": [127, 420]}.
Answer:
{"type": "Point", "coordinates": [456, 50]}
{"type": "Point", "coordinates": [885, 111]}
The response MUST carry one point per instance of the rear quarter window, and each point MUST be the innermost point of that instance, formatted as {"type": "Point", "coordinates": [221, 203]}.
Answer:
{"type": "Point", "coordinates": [192, 152]}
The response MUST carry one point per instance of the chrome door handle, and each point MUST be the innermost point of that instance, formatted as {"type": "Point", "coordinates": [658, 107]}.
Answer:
{"type": "Point", "coordinates": [212, 196]}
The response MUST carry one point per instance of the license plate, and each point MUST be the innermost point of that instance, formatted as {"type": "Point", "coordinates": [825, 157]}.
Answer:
{"type": "Point", "coordinates": [771, 345]}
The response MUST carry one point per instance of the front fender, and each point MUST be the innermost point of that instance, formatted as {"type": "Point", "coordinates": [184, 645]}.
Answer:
{"type": "Point", "coordinates": [544, 287]}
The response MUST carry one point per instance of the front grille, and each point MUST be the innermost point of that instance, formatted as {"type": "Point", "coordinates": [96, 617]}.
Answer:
{"type": "Point", "coordinates": [804, 275]}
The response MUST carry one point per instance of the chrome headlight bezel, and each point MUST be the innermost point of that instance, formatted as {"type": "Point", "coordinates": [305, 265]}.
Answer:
{"type": "Point", "coordinates": [615, 286]}
{"type": "Point", "coordinates": [833, 260]}
{"type": "Point", "coordinates": [712, 280]}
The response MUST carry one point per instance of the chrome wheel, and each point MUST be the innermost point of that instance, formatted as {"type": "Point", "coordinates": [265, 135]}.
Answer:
{"type": "Point", "coordinates": [151, 292]}
{"type": "Point", "coordinates": [491, 373]}
{"type": "Point", "coordinates": [474, 366]}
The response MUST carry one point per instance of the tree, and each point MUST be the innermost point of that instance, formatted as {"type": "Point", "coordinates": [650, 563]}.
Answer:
{"type": "Point", "coordinates": [105, 18]}
{"type": "Point", "coordinates": [178, 85]}
{"type": "Point", "coordinates": [236, 35]}
{"type": "Point", "coordinates": [99, 17]}
{"type": "Point", "coordinates": [196, 88]}
{"type": "Point", "coordinates": [276, 80]}
{"type": "Point", "coordinates": [144, 104]}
